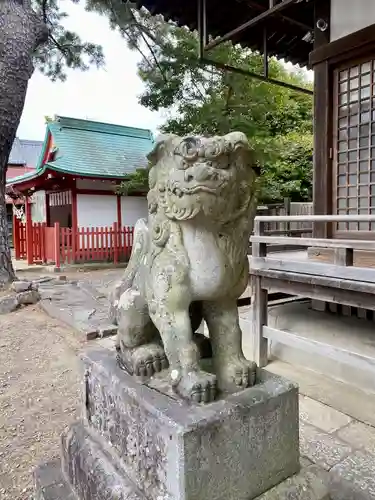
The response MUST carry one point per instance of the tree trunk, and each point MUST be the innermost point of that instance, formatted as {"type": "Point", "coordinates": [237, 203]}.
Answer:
{"type": "Point", "coordinates": [21, 32]}
{"type": "Point", "coordinates": [6, 267]}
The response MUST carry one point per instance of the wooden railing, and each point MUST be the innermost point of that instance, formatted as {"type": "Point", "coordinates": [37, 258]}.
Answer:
{"type": "Point", "coordinates": [338, 282]}
{"type": "Point", "coordinates": [276, 226]}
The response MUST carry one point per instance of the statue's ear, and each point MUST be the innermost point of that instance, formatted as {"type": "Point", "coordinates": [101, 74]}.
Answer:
{"type": "Point", "coordinates": [159, 147]}
{"type": "Point", "coordinates": [240, 144]}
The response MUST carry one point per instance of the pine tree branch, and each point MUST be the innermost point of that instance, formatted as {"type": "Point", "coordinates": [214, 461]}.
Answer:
{"type": "Point", "coordinates": [44, 11]}
{"type": "Point", "coordinates": [149, 47]}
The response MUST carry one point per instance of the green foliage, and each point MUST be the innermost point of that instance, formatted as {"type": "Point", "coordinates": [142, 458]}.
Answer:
{"type": "Point", "coordinates": [289, 173]}
{"type": "Point", "coordinates": [136, 182]}
{"type": "Point", "coordinates": [63, 49]}
{"type": "Point", "coordinates": [200, 99]}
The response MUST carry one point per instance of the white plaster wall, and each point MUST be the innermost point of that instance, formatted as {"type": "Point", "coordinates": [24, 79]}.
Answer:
{"type": "Point", "coordinates": [96, 210]}
{"type": "Point", "coordinates": [95, 184]}
{"type": "Point", "coordinates": [348, 16]}
{"type": "Point", "coordinates": [132, 209]}
{"type": "Point", "coordinates": [38, 207]}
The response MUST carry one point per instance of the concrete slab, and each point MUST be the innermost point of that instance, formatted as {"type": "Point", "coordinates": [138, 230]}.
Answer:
{"type": "Point", "coordinates": [321, 448]}
{"type": "Point", "coordinates": [348, 399]}
{"type": "Point", "coordinates": [79, 305]}
{"type": "Point", "coordinates": [345, 338]}
{"type": "Point", "coordinates": [359, 436]}
{"type": "Point", "coordinates": [322, 416]}
{"type": "Point", "coordinates": [310, 484]}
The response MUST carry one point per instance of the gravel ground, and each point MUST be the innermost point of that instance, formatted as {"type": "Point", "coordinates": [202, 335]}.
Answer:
{"type": "Point", "coordinates": [39, 395]}
{"type": "Point", "coordinates": [39, 387]}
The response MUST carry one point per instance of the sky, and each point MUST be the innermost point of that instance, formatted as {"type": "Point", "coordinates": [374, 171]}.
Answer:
{"type": "Point", "coordinates": [108, 95]}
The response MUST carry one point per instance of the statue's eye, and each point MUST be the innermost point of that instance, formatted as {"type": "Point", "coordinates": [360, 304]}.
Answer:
{"type": "Point", "coordinates": [190, 148]}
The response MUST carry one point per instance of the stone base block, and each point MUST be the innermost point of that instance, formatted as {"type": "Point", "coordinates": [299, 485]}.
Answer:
{"type": "Point", "coordinates": [50, 483]}
{"type": "Point", "coordinates": [91, 470]}
{"type": "Point", "coordinates": [309, 484]}
{"type": "Point", "coordinates": [233, 449]}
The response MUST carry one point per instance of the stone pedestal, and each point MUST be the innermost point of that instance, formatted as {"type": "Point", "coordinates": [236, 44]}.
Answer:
{"type": "Point", "coordinates": [135, 442]}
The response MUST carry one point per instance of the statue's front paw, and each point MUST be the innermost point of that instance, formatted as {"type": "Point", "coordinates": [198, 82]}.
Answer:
{"type": "Point", "coordinates": [143, 361]}
{"type": "Point", "coordinates": [237, 373]}
{"type": "Point", "coordinates": [198, 386]}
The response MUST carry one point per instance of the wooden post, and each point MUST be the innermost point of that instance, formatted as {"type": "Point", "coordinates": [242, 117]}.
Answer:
{"type": "Point", "coordinates": [115, 243]}
{"type": "Point", "coordinates": [259, 303]}
{"type": "Point", "coordinates": [43, 242]}
{"type": "Point", "coordinates": [119, 214]}
{"type": "Point", "coordinates": [29, 233]}
{"type": "Point", "coordinates": [343, 257]}
{"type": "Point", "coordinates": [287, 212]}
{"type": "Point", "coordinates": [75, 242]}
{"type": "Point", "coordinates": [16, 237]}
{"type": "Point", "coordinates": [57, 245]}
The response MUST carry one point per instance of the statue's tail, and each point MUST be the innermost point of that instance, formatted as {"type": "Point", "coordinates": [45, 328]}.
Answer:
{"type": "Point", "coordinates": [139, 250]}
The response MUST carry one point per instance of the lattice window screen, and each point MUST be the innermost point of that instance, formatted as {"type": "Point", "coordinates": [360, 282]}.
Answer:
{"type": "Point", "coordinates": [355, 136]}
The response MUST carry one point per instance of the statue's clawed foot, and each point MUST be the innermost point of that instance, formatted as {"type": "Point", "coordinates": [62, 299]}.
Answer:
{"type": "Point", "coordinates": [237, 373]}
{"type": "Point", "coordinates": [143, 361]}
{"type": "Point", "coordinates": [198, 386]}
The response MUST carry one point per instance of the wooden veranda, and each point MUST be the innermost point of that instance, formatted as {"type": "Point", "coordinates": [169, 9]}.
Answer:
{"type": "Point", "coordinates": [337, 282]}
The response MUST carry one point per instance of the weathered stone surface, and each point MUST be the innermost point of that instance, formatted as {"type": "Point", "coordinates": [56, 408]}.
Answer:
{"type": "Point", "coordinates": [91, 470]}
{"type": "Point", "coordinates": [354, 478]}
{"type": "Point", "coordinates": [50, 483]}
{"type": "Point", "coordinates": [28, 297]}
{"type": "Point", "coordinates": [8, 303]}
{"type": "Point", "coordinates": [359, 435]}
{"type": "Point", "coordinates": [310, 484]}
{"type": "Point", "coordinates": [189, 261]}
{"type": "Point", "coordinates": [79, 308]}
{"type": "Point", "coordinates": [21, 286]}
{"type": "Point", "coordinates": [234, 448]}
{"type": "Point", "coordinates": [305, 462]}
{"type": "Point", "coordinates": [321, 448]}
{"type": "Point", "coordinates": [321, 416]}
{"type": "Point", "coordinates": [106, 331]}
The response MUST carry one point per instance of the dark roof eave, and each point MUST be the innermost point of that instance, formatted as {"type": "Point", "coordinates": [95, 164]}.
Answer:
{"type": "Point", "coordinates": [221, 21]}
{"type": "Point", "coordinates": [88, 175]}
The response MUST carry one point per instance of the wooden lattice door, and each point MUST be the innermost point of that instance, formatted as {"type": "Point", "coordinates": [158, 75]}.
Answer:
{"type": "Point", "coordinates": [354, 146]}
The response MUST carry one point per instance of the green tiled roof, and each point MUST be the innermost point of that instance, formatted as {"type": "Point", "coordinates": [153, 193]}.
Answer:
{"type": "Point", "coordinates": [93, 149]}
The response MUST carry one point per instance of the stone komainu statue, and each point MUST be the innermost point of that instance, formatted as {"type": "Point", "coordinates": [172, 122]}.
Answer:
{"type": "Point", "coordinates": [189, 261]}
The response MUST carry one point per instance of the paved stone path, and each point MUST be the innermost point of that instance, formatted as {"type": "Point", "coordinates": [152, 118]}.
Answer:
{"type": "Point", "coordinates": [77, 304]}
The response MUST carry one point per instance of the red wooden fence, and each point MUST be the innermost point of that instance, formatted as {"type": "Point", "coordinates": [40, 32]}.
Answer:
{"type": "Point", "coordinates": [59, 244]}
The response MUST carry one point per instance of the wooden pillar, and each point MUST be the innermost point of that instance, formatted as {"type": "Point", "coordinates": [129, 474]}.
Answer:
{"type": "Point", "coordinates": [322, 174]}
{"type": "Point", "coordinates": [323, 111]}
{"type": "Point", "coordinates": [75, 242]}
{"type": "Point", "coordinates": [115, 243]}
{"type": "Point", "coordinates": [48, 211]}
{"type": "Point", "coordinates": [259, 304]}
{"type": "Point", "coordinates": [119, 214]}
{"type": "Point", "coordinates": [57, 244]}
{"type": "Point", "coordinates": [16, 237]}
{"type": "Point", "coordinates": [29, 233]}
